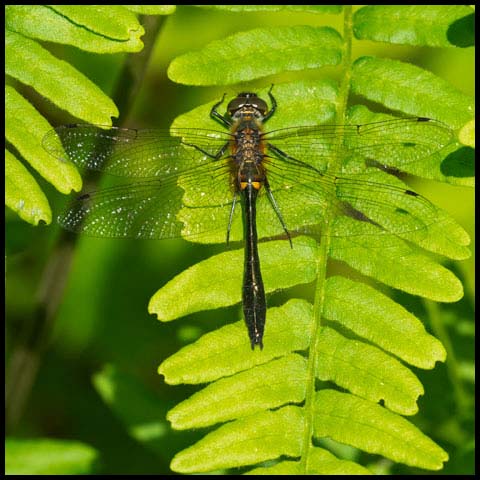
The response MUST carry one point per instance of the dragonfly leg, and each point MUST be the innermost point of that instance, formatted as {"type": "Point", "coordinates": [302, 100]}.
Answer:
{"type": "Point", "coordinates": [282, 154]}
{"type": "Point", "coordinates": [215, 156]}
{"type": "Point", "coordinates": [231, 216]}
{"type": "Point", "coordinates": [218, 116]}
{"type": "Point", "coordinates": [277, 210]}
{"type": "Point", "coordinates": [274, 105]}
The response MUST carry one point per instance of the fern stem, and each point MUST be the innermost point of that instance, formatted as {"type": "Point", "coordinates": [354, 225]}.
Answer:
{"type": "Point", "coordinates": [323, 248]}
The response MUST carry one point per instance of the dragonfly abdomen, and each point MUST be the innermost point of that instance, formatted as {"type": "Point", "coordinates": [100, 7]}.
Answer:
{"type": "Point", "coordinates": [254, 303]}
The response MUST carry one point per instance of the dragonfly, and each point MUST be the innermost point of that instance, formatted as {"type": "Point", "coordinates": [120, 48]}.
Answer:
{"type": "Point", "coordinates": [189, 183]}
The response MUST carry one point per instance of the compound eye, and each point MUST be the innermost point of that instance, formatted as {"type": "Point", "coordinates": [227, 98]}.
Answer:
{"type": "Point", "coordinates": [235, 105]}
{"type": "Point", "coordinates": [260, 105]}
{"type": "Point", "coordinates": [247, 100]}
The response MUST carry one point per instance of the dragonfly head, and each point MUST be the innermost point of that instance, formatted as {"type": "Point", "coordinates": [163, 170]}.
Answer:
{"type": "Point", "coordinates": [247, 101]}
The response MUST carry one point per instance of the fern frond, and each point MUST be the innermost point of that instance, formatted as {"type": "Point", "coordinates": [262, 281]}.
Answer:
{"type": "Point", "coordinates": [335, 368]}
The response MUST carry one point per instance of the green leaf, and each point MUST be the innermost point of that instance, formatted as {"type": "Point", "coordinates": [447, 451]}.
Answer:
{"type": "Point", "coordinates": [361, 246]}
{"type": "Point", "coordinates": [25, 129]}
{"type": "Point", "coordinates": [467, 134]}
{"type": "Point", "coordinates": [152, 9]}
{"type": "Point", "coordinates": [351, 364]}
{"type": "Point", "coordinates": [258, 53]}
{"type": "Point", "coordinates": [94, 28]}
{"type": "Point", "coordinates": [449, 163]}
{"type": "Point", "coordinates": [224, 351]}
{"type": "Point", "coordinates": [257, 438]}
{"type": "Point", "coordinates": [292, 107]}
{"type": "Point", "coordinates": [358, 422]}
{"type": "Point", "coordinates": [22, 193]}
{"type": "Point", "coordinates": [377, 318]}
{"type": "Point", "coordinates": [319, 9]}
{"type": "Point", "coordinates": [281, 265]}
{"type": "Point", "coordinates": [409, 217]}
{"type": "Point", "coordinates": [321, 462]}
{"type": "Point", "coordinates": [429, 227]}
{"type": "Point", "coordinates": [43, 456]}
{"type": "Point", "coordinates": [266, 386]}
{"type": "Point", "coordinates": [385, 81]}
{"type": "Point", "coordinates": [56, 80]}
{"type": "Point", "coordinates": [354, 365]}
{"type": "Point", "coordinates": [435, 26]}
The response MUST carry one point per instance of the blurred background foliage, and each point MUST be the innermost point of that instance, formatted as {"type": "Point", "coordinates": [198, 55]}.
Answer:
{"type": "Point", "coordinates": [103, 316]}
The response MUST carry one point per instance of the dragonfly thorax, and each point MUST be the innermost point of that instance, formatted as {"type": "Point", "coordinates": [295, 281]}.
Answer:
{"type": "Point", "coordinates": [247, 155]}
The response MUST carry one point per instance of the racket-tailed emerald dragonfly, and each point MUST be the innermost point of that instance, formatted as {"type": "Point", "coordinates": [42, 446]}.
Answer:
{"type": "Point", "coordinates": [188, 182]}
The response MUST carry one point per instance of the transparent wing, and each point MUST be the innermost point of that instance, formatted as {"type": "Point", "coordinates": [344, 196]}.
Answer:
{"type": "Point", "coordinates": [186, 191]}
{"type": "Point", "coordinates": [392, 142]}
{"type": "Point", "coordinates": [304, 195]}
{"type": "Point", "coordinates": [133, 153]}
{"type": "Point", "coordinates": [148, 208]}
{"type": "Point", "coordinates": [153, 153]}
{"type": "Point", "coordinates": [300, 157]}
{"type": "Point", "coordinates": [172, 174]}
{"type": "Point", "coordinates": [373, 196]}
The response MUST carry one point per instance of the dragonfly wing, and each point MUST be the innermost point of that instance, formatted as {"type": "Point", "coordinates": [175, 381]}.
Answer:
{"type": "Point", "coordinates": [299, 159]}
{"type": "Point", "coordinates": [304, 194]}
{"type": "Point", "coordinates": [126, 211]}
{"type": "Point", "coordinates": [153, 208]}
{"type": "Point", "coordinates": [133, 153]}
{"type": "Point", "coordinates": [396, 142]}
